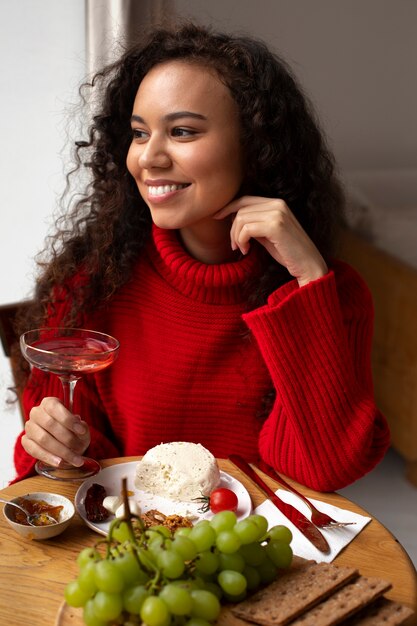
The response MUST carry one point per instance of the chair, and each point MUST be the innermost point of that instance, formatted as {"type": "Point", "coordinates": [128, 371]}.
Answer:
{"type": "Point", "coordinates": [10, 341]}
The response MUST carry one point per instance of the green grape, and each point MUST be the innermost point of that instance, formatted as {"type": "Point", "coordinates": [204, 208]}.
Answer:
{"type": "Point", "coordinates": [75, 595]}
{"type": "Point", "coordinates": [129, 566]}
{"type": "Point", "coordinates": [184, 546]}
{"type": "Point", "coordinates": [182, 532]}
{"type": "Point", "coordinates": [233, 561]}
{"type": "Point", "coordinates": [107, 606]}
{"type": "Point", "coordinates": [201, 579]}
{"type": "Point", "coordinates": [108, 577]}
{"type": "Point", "coordinates": [170, 563]}
{"type": "Point", "coordinates": [133, 598]}
{"type": "Point", "coordinates": [239, 598]}
{"type": "Point", "coordinates": [155, 547]}
{"type": "Point", "coordinates": [86, 578]}
{"type": "Point", "coordinates": [177, 599]}
{"type": "Point", "coordinates": [147, 559]}
{"type": "Point", "coordinates": [89, 616]}
{"type": "Point", "coordinates": [225, 520]}
{"type": "Point", "coordinates": [87, 555]}
{"type": "Point", "coordinates": [233, 583]}
{"type": "Point", "coordinates": [214, 588]}
{"type": "Point", "coordinates": [197, 621]}
{"type": "Point", "coordinates": [252, 576]}
{"type": "Point", "coordinates": [267, 571]}
{"type": "Point", "coordinates": [248, 531]}
{"type": "Point", "coordinates": [161, 530]}
{"type": "Point", "coordinates": [228, 542]}
{"type": "Point", "coordinates": [280, 553]}
{"type": "Point", "coordinates": [260, 521]}
{"type": "Point", "coordinates": [121, 533]}
{"type": "Point", "coordinates": [154, 612]}
{"type": "Point", "coordinates": [207, 562]}
{"type": "Point", "coordinates": [205, 605]}
{"type": "Point", "coordinates": [154, 538]}
{"type": "Point", "coordinates": [280, 533]}
{"type": "Point", "coordinates": [253, 553]}
{"type": "Point", "coordinates": [189, 584]}
{"type": "Point", "coordinates": [203, 535]}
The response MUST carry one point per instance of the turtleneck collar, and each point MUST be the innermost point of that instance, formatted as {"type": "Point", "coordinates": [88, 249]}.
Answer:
{"type": "Point", "coordinates": [213, 284]}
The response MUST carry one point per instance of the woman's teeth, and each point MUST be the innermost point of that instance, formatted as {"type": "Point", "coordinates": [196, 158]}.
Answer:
{"type": "Point", "coordinates": [161, 189]}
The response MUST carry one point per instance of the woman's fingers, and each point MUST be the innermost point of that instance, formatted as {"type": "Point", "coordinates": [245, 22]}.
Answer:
{"type": "Point", "coordinates": [241, 203]}
{"type": "Point", "coordinates": [275, 227]}
{"type": "Point", "coordinates": [242, 235]}
{"type": "Point", "coordinates": [40, 453]}
{"type": "Point", "coordinates": [53, 434]}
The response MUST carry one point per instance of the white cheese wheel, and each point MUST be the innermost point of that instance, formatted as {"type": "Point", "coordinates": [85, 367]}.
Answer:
{"type": "Point", "coordinates": [179, 470]}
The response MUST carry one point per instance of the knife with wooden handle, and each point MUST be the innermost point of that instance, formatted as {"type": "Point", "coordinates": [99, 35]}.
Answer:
{"type": "Point", "coordinates": [299, 520]}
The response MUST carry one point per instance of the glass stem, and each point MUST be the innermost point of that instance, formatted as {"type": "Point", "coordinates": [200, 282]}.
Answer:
{"type": "Point", "coordinates": [68, 386]}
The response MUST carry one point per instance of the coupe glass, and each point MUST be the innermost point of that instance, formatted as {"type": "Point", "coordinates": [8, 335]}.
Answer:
{"type": "Point", "coordinates": [70, 353]}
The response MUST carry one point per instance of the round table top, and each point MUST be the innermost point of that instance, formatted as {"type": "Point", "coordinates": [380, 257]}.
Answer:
{"type": "Point", "coordinates": [33, 574]}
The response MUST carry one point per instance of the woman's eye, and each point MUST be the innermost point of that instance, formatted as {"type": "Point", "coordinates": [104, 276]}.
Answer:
{"type": "Point", "coordinates": [137, 133]}
{"type": "Point", "coordinates": [182, 132]}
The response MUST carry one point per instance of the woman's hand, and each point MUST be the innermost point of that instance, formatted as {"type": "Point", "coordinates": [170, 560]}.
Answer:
{"type": "Point", "coordinates": [54, 435]}
{"type": "Point", "coordinates": [271, 222]}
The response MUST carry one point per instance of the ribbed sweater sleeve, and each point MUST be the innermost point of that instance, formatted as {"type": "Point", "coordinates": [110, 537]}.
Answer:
{"type": "Point", "coordinates": [324, 430]}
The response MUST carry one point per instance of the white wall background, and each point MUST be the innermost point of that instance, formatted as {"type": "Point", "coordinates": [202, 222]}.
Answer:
{"type": "Point", "coordinates": [356, 58]}
{"type": "Point", "coordinates": [41, 64]}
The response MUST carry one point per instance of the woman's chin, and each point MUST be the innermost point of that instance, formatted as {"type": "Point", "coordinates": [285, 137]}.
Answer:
{"type": "Point", "coordinates": [164, 220]}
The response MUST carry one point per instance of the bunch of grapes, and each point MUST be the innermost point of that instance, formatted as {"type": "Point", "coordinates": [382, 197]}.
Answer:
{"type": "Point", "coordinates": [160, 579]}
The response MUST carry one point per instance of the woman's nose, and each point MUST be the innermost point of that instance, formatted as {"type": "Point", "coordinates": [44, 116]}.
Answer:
{"type": "Point", "coordinates": [154, 154]}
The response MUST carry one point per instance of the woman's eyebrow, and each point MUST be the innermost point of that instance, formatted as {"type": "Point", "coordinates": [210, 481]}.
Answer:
{"type": "Point", "coordinates": [172, 116]}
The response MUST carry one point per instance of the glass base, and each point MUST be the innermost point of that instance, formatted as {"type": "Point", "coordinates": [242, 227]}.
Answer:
{"type": "Point", "coordinates": [90, 467]}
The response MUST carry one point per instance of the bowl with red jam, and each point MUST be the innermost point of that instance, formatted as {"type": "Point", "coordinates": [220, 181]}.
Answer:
{"type": "Point", "coordinates": [54, 514]}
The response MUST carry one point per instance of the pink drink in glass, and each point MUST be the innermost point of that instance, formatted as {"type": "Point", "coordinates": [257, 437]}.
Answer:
{"type": "Point", "coordinates": [69, 353]}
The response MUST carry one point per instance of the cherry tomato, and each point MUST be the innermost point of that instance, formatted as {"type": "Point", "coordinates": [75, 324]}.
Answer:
{"type": "Point", "coordinates": [223, 499]}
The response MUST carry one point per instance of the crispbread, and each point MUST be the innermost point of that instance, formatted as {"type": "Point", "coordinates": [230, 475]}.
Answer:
{"type": "Point", "coordinates": [293, 593]}
{"type": "Point", "coordinates": [382, 611]}
{"type": "Point", "coordinates": [344, 602]}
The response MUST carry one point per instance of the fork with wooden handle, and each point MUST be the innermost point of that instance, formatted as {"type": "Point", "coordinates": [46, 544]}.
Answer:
{"type": "Point", "coordinates": [319, 519]}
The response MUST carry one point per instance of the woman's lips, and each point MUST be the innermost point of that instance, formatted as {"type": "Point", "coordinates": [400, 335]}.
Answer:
{"type": "Point", "coordinates": [159, 192]}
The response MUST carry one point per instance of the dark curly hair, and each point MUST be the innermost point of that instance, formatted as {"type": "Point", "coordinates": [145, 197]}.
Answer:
{"type": "Point", "coordinates": [285, 154]}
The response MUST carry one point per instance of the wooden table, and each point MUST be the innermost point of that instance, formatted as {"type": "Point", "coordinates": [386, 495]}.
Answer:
{"type": "Point", "coordinates": [33, 574]}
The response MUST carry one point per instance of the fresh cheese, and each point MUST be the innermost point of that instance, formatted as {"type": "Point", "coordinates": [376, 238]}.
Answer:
{"type": "Point", "coordinates": [179, 470]}
{"type": "Point", "coordinates": [114, 504]}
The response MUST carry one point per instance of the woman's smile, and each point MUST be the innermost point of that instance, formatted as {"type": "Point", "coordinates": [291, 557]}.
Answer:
{"type": "Point", "coordinates": [164, 190]}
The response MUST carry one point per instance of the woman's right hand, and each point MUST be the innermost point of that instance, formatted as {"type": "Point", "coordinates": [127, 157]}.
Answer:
{"type": "Point", "coordinates": [54, 435]}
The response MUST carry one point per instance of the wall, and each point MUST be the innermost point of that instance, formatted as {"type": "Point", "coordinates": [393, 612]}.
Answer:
{"type": "Point", "coordinates": [41, 64]}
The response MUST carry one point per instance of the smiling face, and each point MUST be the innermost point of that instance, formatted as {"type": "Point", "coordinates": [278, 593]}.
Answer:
{"type": "Point", "coordinates": [186, 155]}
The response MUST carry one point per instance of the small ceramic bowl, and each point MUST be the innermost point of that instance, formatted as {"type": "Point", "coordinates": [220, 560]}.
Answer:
{"type": "Point", "coordinates": [41, 532]}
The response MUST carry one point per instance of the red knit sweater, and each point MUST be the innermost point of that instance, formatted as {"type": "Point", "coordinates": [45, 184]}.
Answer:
{"type": "Point", "coordinates": [193, 366]}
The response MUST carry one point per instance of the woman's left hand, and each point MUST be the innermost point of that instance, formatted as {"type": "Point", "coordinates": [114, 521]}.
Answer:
{"type": "Point", "coordinates": [272, 224]}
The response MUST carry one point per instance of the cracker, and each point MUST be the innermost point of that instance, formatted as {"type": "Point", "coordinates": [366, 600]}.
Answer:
{"type": "Point", "coordinates": [293, 593]}
{"type": "Point", "coordinates": [344, 602]}
{"type": "Point", "coordinates": [383, 611]}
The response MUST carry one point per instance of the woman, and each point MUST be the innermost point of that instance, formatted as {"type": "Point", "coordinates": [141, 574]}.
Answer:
{"type": "Point", "coordinates": [204, 244]}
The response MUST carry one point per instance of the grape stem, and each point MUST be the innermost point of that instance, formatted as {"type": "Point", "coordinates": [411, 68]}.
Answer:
{"type": "Point", "coordinates": [127, 519]}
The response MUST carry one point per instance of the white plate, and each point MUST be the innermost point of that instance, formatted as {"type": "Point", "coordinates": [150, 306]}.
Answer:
{"type": "Point", "coordinates": [111, 479]}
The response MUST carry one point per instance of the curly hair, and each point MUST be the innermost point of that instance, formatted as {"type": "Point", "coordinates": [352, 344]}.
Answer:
{"type": "Point", "coordinates": [285, 154]}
